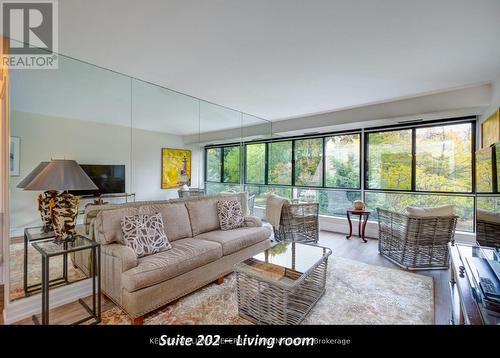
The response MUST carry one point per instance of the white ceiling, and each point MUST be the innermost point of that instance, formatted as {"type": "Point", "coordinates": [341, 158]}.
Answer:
{"type": "Point", "coordinates": [286, 58]}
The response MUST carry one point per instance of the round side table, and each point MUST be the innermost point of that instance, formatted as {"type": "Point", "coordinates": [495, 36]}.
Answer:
{"type": "Point", "coordinates": [363, 218]}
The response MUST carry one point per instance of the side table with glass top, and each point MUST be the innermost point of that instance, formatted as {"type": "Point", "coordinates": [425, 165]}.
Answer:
{"type": "Point", "coordinates": [50, 248]}
{"type": "Point", "coordinates": [32, 234]}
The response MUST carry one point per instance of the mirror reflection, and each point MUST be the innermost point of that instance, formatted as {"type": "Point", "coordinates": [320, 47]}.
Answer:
{"type": "Point", "coordinates": [128, 140]}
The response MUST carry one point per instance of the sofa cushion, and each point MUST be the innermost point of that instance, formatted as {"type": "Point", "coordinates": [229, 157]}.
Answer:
{"type": "Point", "coordinates": [237, 239]}
{"type": "Point", "coordinates": [108, 227]}
{"type": "Point", "coordinates": [230, 214]}
{"type": "Point", "coordinates": [185, 255]}
{"type": "Point", "coordinates": [175, 219]}
{"type": "Point", "coordinates": [440, 211]}
{"type": "Point", "coordinates": [203, 213]}
{"type": "Point", "coordinates": [145, 234]}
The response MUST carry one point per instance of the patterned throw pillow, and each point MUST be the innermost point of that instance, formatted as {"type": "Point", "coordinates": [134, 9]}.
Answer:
{"type": "Point", "coordinates": [145, 234]}
{"type": "Point", "coordinates": [230, 214]}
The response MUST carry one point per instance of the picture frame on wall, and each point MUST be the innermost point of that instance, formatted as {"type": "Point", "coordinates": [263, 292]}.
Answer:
{"type": "Point", "coordinates": [15, 156]}
{"type": "Point", "coordinates": [175, 168]}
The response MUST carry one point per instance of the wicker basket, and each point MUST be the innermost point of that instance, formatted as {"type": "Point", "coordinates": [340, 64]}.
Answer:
{"type": "Point", "coordinates": [415, 243]}
{"type": "Point", "coordinates": [298, 222]}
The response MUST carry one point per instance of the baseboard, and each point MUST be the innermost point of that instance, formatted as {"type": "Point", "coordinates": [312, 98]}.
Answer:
{"type": "Point", "coordinates": [26, 307]}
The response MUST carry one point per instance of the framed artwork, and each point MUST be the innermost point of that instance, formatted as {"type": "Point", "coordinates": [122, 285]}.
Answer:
{"type": "Point", "coordinates": [175, 168]}
{"type": "Point", "coordinates": [490, 130]}
{"type": "Point", "coordinates": [15, 156]}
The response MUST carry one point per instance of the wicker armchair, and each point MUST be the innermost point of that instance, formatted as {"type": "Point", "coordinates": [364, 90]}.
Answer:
{"type": "Point", "coordinates": [298, 222]}
{"type": "Point", "coordinates": [415, 243]}
{"type": "Point", "coordinates": [487, 233]}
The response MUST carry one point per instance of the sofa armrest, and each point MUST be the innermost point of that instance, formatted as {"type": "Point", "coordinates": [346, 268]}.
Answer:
{"type": "Point", "coordinates": [121, 255]}
{"type": "Point", "coordinates": [252, 221]}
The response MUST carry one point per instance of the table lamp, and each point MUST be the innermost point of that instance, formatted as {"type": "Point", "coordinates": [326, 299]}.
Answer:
{"type": "Point", "coordinates": [43, 199]}
{"type": "Point", "coordinates": [60, 175]}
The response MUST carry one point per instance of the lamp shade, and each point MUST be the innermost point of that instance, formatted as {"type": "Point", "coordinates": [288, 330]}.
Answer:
{"type": "Point", "coordinates": [32, 175]}
{"type": "Point", "coordinates": [61, 174]}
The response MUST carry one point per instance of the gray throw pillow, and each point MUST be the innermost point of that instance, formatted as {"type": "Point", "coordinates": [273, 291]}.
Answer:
{"type": "Point", "coordinates": [145, 234]}
{"type": "Point", "coordinates": [230, 214]}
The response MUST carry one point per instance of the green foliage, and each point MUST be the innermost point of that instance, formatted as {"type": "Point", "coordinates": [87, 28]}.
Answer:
{"type": "Point", "coordinates": [309, 162]}
{"type": "Point", "coordinates": [280, 163]}
{"type": "Point", "coordinates": [342, 161]}
{"type": "Point", "coordinates": [389, 158]}
{"type": "Point", "coordinates": [256, 163]}
{"type": "Point", "coordinates": [231, 164]}
{"type": "Point", "coordinates": [443, 158]}
{"type": "Point", "coordinates": [213, 164]}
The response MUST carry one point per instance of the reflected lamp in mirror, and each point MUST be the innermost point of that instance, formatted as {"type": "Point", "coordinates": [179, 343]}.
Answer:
{"type": "Point", "coordinates": [61, 209]}
{"type": "Point", "coordinates": [44, 199]}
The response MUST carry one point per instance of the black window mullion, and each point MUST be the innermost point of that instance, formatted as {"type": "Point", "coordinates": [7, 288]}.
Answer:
{"type": "Point", "coordinates": [293, 163]}
{"type": "Point", "coordinates": [413, 159]}
{"type": "Point", "coordinates": [266, 164]}
{"type": "Point", "coordinates": [323, 159]}
{"type": "Point", "coordinates": [222, 153]}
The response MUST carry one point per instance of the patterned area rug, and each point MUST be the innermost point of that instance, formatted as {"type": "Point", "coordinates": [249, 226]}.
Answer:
{"type": "Point", "coordinates": [356, 293]}
{"type": "Point", "coordinates": [35, 269]}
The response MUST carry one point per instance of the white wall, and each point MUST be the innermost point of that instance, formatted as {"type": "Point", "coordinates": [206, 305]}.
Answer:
{"type": "Point", "coordinates": [43, 138]}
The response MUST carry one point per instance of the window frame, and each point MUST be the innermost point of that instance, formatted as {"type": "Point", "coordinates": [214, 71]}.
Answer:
{"type": "Point", "coordinates": [413, 128]}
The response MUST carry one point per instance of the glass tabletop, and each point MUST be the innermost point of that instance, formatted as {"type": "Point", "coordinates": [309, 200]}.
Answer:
{"type": "Point", "coordinates": [286, 261]}
{"type": "Point", "coordinates": [53, 247]}
{"type": "Point", "coordinates": [36, 233]}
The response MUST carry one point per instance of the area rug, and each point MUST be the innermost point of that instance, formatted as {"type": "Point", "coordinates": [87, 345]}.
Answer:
{"type": "Point", "coordinates": [35, 269]}
{"type": "Point", "coordinates": [356, 293]}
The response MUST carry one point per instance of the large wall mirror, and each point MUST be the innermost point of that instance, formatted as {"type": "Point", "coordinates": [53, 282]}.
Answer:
{"type": "Point", "coordinates": [135, 140]}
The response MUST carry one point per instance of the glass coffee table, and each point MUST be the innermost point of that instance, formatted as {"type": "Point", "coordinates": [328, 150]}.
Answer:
{"type": "Point", "coordinates": [281, 284]}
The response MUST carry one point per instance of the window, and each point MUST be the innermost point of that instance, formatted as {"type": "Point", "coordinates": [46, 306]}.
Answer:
{"type": "Point", "coordinates": [213, 164]}
{"type": "Point", "coordinates": [309, 162]}
{"type": "Point", "coordinates": [331, 202]}
{"type": "Point", "coordinates": [389, 160]}
{"type": "Point", "coordinates": [444, 158]}
{"type": "Point", "coordinates": [342, 157]}
{"type": "Point", "coordinates": [255, 163]}
{"type": "Point", "coordinates": [231, 164]}
{"type": "Point", "coordinates": [280, 163]}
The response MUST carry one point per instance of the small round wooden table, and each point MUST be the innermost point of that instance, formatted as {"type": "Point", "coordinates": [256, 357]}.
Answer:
{"type": "Point", "coordinates": [363, 218]}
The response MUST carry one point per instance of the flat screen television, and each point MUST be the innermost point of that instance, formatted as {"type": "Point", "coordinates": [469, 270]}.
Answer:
{"type": "Point", "coordinates": [109, 179]}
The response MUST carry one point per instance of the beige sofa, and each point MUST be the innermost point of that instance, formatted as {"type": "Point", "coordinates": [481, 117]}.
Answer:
{"type": "Point", "coordinates": [201, 253]}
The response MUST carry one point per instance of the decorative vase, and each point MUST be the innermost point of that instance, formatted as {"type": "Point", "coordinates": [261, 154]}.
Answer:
{"type": "Point", "coordinates": [64, 213]}
{"type": "Point", "coordinates": [45, 202]}
{"type": "Point", "coordinates": [358, 205]}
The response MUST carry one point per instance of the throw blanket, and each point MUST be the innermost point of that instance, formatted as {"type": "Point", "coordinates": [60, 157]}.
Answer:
{"type": "Point", "coordinates": [273, 209]}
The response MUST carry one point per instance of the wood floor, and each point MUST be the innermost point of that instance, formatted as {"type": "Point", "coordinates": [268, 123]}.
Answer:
{"type": "Point", "coordinates": [353, 249]}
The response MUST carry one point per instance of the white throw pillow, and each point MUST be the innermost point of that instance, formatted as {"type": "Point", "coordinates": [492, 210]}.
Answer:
{"type": "Point", "coordinates": [145, 234]}
{"type": "Point", "coordinates": [445, 210]}
{"type": "Point", "coordinates": [489, 216]}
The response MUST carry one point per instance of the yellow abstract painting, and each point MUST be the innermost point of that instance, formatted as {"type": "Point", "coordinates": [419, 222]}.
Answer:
{"type": "Point", "coordinates": [175, 168]}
